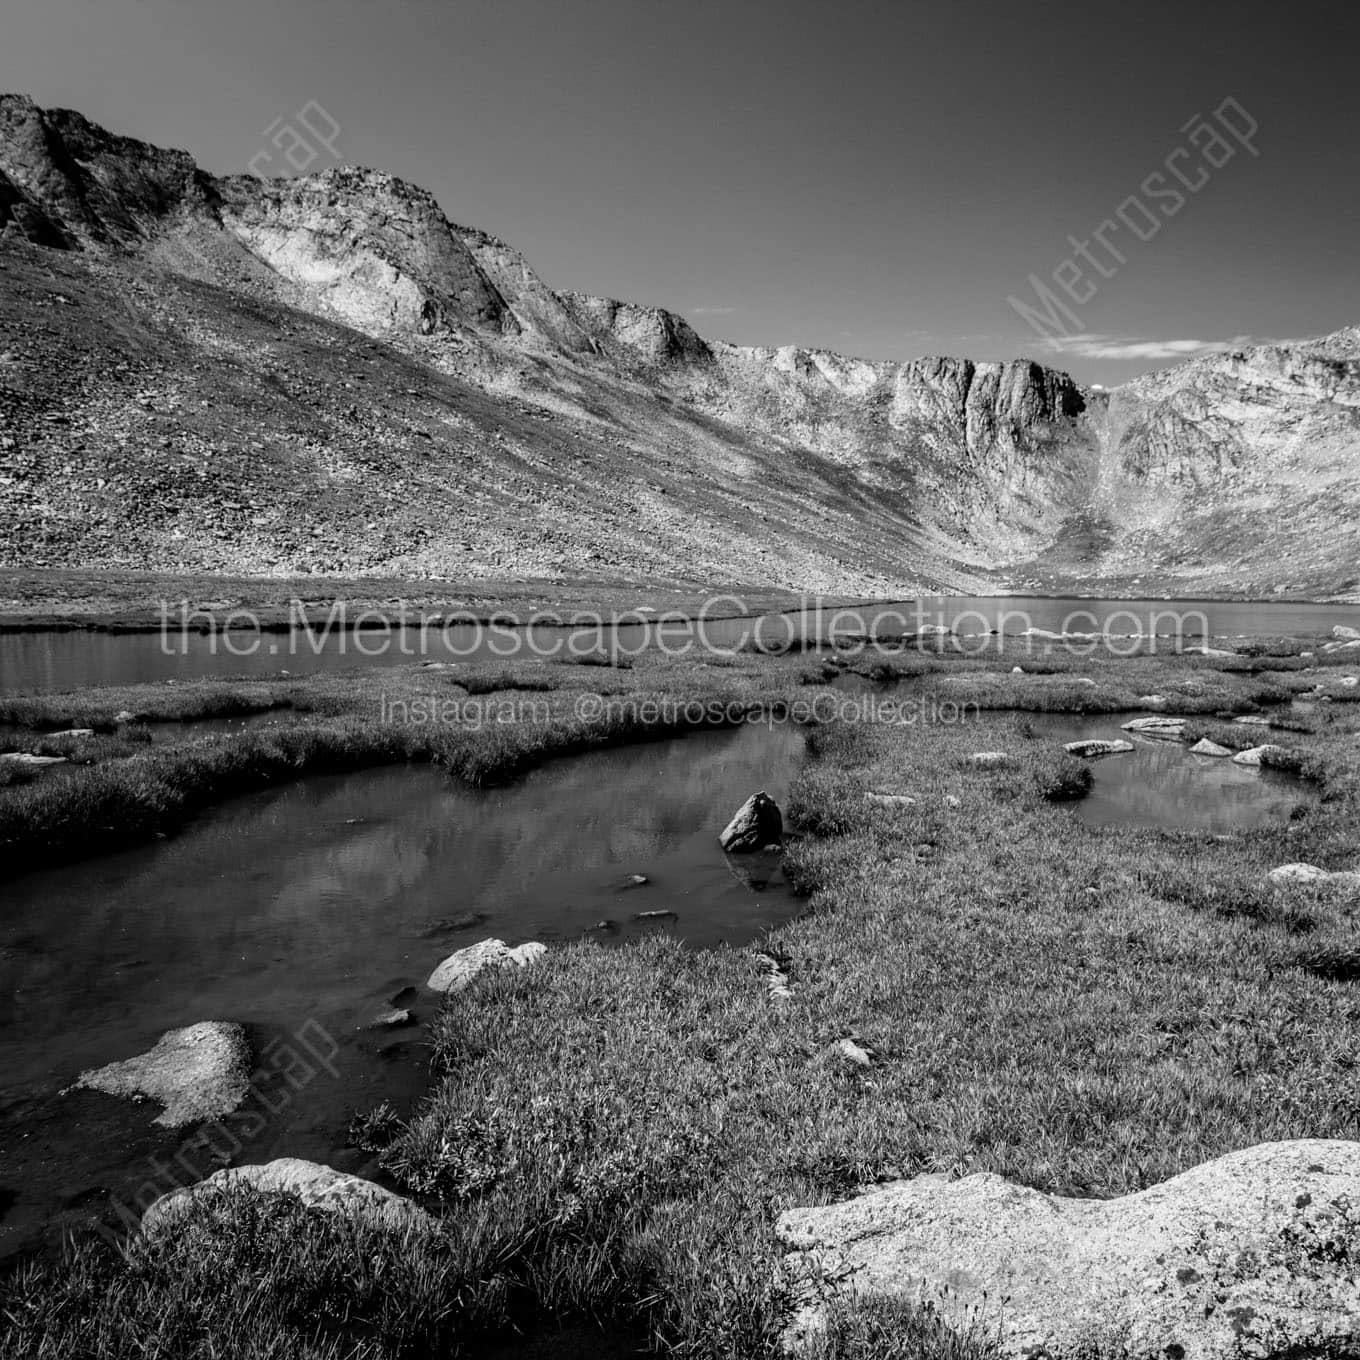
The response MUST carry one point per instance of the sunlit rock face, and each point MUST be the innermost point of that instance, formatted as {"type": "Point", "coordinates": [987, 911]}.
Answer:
{"type": "Point", "coordinates": [641, 447]}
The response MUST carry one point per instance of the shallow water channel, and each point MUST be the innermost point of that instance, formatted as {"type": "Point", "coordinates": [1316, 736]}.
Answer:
{"type": "Point", "coordinates": [303, 911]}
{"type": "Point", "coordinates": [1160, 785]}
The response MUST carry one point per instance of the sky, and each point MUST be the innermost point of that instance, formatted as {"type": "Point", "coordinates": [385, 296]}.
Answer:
{"type": "Point", "coordinates": [885, 180]}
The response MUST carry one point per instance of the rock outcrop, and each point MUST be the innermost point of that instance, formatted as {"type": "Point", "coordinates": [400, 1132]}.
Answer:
{"type": "Point", "coordinates": [1249, 1257]}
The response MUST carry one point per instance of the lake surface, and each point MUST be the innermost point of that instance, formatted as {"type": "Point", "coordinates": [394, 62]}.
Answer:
{"type": "Point", "coordinates": [36, 662]}
{"type": "Point", "coordinates": [303, 911]}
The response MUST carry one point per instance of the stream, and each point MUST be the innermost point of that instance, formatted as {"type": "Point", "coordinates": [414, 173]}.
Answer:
{"type": "Point", "coordinates": [304, 911]}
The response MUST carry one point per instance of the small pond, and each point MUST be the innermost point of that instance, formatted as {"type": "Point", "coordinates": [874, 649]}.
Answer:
{"type": "Point", "coordinates": [304, 910]}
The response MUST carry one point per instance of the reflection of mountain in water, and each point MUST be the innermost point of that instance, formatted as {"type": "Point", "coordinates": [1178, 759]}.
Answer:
{"type": "Point", "coordinates": [315, 903]}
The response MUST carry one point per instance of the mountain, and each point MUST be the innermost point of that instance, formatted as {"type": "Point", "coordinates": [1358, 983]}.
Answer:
{"type": "Point", "coordinates": [324, 374]}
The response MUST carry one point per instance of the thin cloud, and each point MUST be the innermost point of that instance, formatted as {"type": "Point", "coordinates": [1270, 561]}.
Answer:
{"type": "Point", "coordinates": [1125, 347]}
{"type": "Point", "coordinates": [711, 311]}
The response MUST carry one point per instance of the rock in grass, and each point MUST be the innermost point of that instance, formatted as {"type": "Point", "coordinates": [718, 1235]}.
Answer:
{"type": "Point", "coordinates": [1252, 720]}
{"type": "Point", "coordinates": [1094, 747]}
{"type": "Point", "coordinates": [1288, 875]}
{"type": "Point", "coordinates": [1205, 747]}
{"type": "Point", "coordinates": [1245, 1256]}
{"type": "Point", "coordinates": [989, 760]}
{"type": "Point", "coordinates": [1160, 729]}
{"type": "Point", "coordinates": [1152, 701]}
{"type": "Point", "coordinates": [28, 758]}
{"type": "Point", "coordinates": [758, 823]}
{"type": "Point", "coordinates": [315, 1185]}
{"type": "Point", "coordinates": [1257, 755]}
{"type": "Point", "coordinates": [852, 1052]}
{"type": "Point", "coordinates": [458, 970]}
{"type": "Point", "coordinates": [892, 800]}
{"type": "Point", "coordinates": [199, 1072]}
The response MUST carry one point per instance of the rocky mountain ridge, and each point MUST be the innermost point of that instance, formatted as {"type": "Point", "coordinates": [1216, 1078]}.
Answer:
{"type": "Point", "coordinates": [326, 374]}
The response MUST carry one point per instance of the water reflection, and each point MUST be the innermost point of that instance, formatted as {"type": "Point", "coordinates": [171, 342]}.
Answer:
{"type": "Point", "coordinates": [322, 900]}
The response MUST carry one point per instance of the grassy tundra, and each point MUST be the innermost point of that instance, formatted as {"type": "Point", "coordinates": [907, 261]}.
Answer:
{"type": "Point", "coordinates": [610, 1135]}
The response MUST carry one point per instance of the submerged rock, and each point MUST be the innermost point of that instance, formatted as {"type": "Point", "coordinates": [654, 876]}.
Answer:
{"type": "Point", "coordinates": [1205, 747]}
{"type": "Point", "coordinates": [458, 970]}
{"type": "Point", "coordinates": [1245, 1256]}
{"type": "Point", "coordinates": [199, 1072]}
{"type": "Point", "coordinates": [393, 1019]}
{"type": "Point", "coordinates": [758, 822]}
{"type": "Point", "coordinates": [1094, 747]}
{"type": "Point", "coordinates": [312, 1183]}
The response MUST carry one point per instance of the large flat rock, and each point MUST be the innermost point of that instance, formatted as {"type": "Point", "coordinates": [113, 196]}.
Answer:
{"type": "Point", "coordinates": [1253, 1256]}
{"type": "Point", "coordinates": [199, 1072]}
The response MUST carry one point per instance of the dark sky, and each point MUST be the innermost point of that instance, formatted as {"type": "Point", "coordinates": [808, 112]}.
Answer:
{"type": "Point", "coordinates": [873, 178]}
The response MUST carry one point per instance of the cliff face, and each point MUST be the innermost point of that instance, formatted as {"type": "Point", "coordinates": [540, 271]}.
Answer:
{"type": "Point", "coordinates": [496, 425]}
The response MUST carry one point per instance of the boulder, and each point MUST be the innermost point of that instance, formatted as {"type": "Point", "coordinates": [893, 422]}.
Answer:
{"type": "Point", "coordinates": [1205, 747]}
{"type": "Point", "coordinates": [1344, 634]}
{"type": "Point", "coordinates": [199, 1072]}
{"type": "Point", "coordinates": [1244, 1256]}
{"type": "Point", "coordinates": [1257, 754]}
{"type": "Point", "coordinates": [757, 823]}
{"type": "Point", "coordinates": [1095, 747]}
{"type": "Point", "coordinates": [989, 760]}
{"type": "Point", "coordinates": [1309, 874]}
{"type": "Point", "coordinates": [1159, 729]}
{"type": "Point", "coordinates": [315, 1185]}
{"type": "Point", "coordinates": [458, 970]}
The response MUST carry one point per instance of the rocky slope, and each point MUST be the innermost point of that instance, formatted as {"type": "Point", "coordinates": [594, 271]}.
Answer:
{"type": "Point", "coordinates": [326, 375]}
